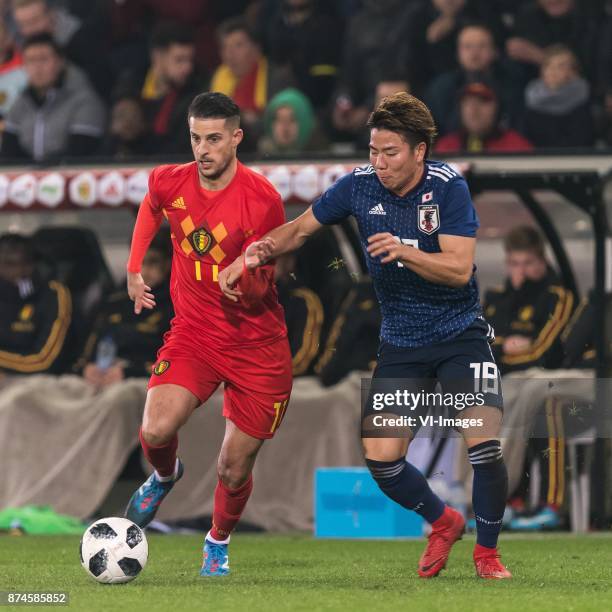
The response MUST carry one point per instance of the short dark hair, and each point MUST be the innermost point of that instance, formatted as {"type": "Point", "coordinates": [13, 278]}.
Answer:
{"type": "Point", "coordinates": [236, 24]}
{"type": "Point", "coordinates": [14, 241]}
{"type": "Point", "coordinates": [166, 34]}
{"type": "Point", "coordinates": [524, 238]}
{"type": "Point", "coordinates": [44, 38]}
{"type": "Point", "coordinates": [406, 115]}
{"type": "Point", "coordinates": [213, 105]}
{"type": "Point", "coordinates": [559, 49]}
{"type": "Point", "coordinates": [479, 25]}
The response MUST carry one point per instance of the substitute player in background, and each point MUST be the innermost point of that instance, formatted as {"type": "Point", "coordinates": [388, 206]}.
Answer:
{"type": "Point", "coordinates": [216, 207]}
{"type": "Point", "coordinates": [418, 226]}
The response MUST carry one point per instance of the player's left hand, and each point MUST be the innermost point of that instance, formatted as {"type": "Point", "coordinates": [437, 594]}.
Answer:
{"type": "Point", "coordinates": [259, 253]}
{"type": "Point", "coordinates": [389, 246]}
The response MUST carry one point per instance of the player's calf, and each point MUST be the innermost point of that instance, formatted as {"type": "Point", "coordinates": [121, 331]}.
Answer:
{"type": "Point", "coordinates": [490, 490]}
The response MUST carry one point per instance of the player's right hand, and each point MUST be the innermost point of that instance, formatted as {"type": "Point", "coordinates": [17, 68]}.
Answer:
{"type": "Point", "coordinates": [259, 253]}
{"type": "Point", "coordinates": [139, 293]}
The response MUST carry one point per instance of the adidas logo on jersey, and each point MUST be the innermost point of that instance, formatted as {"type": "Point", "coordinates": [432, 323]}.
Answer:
{"type": "Point", "coordinates": [377, 210]}
{"type": "Point", "coordinates": [179, 203]}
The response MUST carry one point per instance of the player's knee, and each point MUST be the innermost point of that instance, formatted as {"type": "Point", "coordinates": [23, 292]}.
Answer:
{"type": "Point", "coordinates": [157, 433]}
{"type": "Point", "coordinates": [233, 474]}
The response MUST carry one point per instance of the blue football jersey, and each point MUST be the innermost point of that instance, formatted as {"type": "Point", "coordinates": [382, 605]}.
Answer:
{"type": "Point", "coordinates": [415, 311]}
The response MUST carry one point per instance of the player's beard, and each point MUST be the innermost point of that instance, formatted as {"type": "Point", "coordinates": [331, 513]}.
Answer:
{"type": "Point", "coordinates": [216, 174]}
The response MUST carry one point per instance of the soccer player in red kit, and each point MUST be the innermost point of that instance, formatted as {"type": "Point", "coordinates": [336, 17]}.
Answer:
{"type": "Point", "coordinates": [216, 207]}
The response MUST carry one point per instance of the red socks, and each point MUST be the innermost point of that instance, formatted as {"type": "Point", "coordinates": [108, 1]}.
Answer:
{"type": "Point", "coordinates": [229, 505]}
{"type": "Point", "coordinates": [162, 458]}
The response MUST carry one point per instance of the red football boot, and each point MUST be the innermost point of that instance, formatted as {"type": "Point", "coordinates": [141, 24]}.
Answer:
{"type": "Point", "coordinates": [488, 564]}
{"type": "Point", "coordinates": [444, 533]}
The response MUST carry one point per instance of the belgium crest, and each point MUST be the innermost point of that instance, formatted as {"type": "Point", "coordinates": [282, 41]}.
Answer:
{"type": "Point", "coordinates": [161, 367]}
{"type": "Point", "coordinates": [201, 241]}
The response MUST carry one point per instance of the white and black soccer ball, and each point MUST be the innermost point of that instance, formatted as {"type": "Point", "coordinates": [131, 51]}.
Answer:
{"type": "Point", "coordinates": [114, 550]}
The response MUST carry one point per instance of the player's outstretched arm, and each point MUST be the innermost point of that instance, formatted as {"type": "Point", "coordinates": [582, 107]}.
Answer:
{"type": "Point", "coordinates": [282, 239]}
{"type": "Point", "coordinates": [147, 224]}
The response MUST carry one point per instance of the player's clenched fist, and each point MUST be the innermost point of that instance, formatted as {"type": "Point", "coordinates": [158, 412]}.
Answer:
{"type": "Point", "coordinates": [258, 253]}
{"type": "Point", "coordinates": [229, 277]}
{"type": "Point", "coordinates": [139, 293]}
{"type": "Point", "coordinates": [387, 245]}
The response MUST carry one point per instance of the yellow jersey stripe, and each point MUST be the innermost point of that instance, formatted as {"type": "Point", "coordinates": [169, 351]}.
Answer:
{"type": "Point", "coordinates": [550, 331]}
{"type": "Point", "coordinates": [42, 360]}
{"type": "Point", "coordinates": [312, 331]}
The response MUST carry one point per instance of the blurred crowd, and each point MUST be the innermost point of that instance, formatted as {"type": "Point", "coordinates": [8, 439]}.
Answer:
{"type": "Point", "coordinates": [113, 78]}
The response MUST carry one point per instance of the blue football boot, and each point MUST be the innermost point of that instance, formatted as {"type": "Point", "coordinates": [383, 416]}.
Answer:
{"type": "Point", "coordinates": [143, 504]}
{"type": "Point", "coordinates": [215, 559]}
{"type": "Point", "coordinates": [546, 518]}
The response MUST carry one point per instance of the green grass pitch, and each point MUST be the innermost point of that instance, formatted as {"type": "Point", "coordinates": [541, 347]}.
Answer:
{"type": "Point", "coordinates": [556, 572]}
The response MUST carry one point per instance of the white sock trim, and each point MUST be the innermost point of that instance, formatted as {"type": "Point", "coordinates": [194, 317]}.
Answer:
{"type": "Point", "coordinates": [171, 477]}
{"type": "Point", "coordinates": [214, 541]}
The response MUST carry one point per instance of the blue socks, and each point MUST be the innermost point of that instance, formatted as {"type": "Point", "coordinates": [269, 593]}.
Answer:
{"type": "Point", "coordinates": [405, 485]}
{"type": "Point", "coordinates": [489, 491]}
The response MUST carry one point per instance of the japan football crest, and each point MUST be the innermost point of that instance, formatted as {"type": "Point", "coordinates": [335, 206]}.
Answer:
{"type": "Point", "coordinates": [429, 218]}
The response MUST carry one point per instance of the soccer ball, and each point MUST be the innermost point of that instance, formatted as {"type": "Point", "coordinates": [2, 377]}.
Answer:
{"type": "Point", "coordinates": [114, 550]}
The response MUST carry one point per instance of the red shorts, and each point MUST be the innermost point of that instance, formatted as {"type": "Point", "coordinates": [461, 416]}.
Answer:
{"type": "Point", "coordinates": [257, 380]}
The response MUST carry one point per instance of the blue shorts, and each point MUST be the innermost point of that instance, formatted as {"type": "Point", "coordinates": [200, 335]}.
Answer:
{"type": "Point", "coordinates": [461, 369]}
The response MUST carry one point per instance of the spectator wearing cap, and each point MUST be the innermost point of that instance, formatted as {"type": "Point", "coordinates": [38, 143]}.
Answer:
{"type": "Point", "coordinates": [58, 114]}
{"type": "Point", "coordinates": [480, 127]}
{"type": "Point", "coordinates": [478, 62]}
{"type": "Point", "coordinates": [558, 112]}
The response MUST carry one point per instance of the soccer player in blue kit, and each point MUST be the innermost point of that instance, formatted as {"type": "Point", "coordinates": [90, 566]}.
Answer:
{"type": "Point", "coordinates": [418, 228]}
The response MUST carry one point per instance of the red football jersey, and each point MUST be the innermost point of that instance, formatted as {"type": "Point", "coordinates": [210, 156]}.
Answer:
{"type": "Point", "coordinates": [209, 230]}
